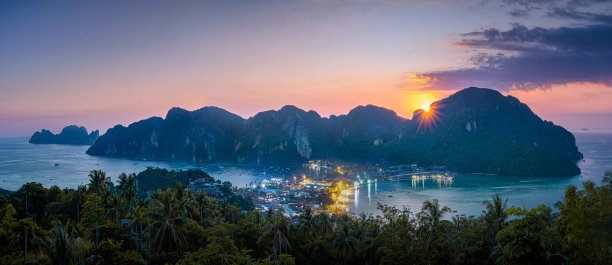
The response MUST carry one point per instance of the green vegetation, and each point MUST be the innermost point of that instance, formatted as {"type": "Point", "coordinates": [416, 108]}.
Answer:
{"type": "Point", "coordinates": [5, 192]}
{"type": "Point", "coordinates": [481, 151]}
{"type": "Point", "coordinates": [475, 130]}
{"type": "Point", "coordinates": [160, 178]}
{"type": "Point", "coordinates": [101, 224]}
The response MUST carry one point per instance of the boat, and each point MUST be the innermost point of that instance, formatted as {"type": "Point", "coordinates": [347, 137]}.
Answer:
{"type": "Point", "coordinates": [56, 164]}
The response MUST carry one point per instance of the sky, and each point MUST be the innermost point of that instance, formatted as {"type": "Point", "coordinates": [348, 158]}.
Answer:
{"type": "Point", "coordinates": [104, 63]}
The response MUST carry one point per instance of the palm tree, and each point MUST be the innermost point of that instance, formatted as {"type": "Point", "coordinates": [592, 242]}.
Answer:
{"type": "Point", "coordinates": [113, 207]}
{"type": "Point", "coordinates": [496, 215]}
{"type": "Point", "coordinates": [323, 222]}
{"type": "Point", "coordinates": [201, 203]}
{"type": "Point", "coordinates": [63, 247]}
{"type": "Point", "coordinates": [169, 236]}
{"type": "Point", "coordinates": [78, 199]}
{"type": "Point", "coordinates": [345, 242]}
{"type": "Point", "coordinates": [98, 182]}
{"type": "Point", "coordinates": [430, 216]}
{"type": "Point", "coordinates": [168, 214]}
{"type": "Point", "coordinates": [431, 213]}
{"type": "Point", "coordinates": [137, 218]}
{"type": "Point", "coordinates": [368, 244]}
{"type": "Point", "coordinates": [274, 233]}
{"type": "Point", "coordinates": [127, 187]}
{"type": "Point", "coordinates": [306, 224]}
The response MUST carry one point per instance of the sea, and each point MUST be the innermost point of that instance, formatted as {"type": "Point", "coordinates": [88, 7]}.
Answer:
{"type": "Point", "coordinates": [68, 166]}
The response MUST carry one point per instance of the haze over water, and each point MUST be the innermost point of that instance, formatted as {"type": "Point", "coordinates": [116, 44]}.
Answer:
{"type": "Point", "coordinates": [21, 162]}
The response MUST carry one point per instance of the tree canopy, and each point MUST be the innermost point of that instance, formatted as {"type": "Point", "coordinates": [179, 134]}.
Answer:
{"type": "Point", "coordinates": [98, 224]}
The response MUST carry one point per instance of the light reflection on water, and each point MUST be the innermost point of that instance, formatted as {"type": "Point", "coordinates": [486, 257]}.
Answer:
{"type": "Point", "coordinates": [21, 162]}
{"type": "Point", "coordinates": [464, 193]}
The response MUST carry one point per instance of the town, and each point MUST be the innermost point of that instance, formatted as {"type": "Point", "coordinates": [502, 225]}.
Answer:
{"type": "Point", "coordinates": [325, 186]}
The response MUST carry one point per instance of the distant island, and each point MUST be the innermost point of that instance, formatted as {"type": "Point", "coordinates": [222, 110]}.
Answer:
{"type": "Point", "coordinates": [475, 130]}
{"type": "Point", "coordinates": [71, 134]}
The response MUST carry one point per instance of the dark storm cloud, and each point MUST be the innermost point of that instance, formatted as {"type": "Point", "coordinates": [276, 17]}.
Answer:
{"type": "Point", "coordinates": [533, 58]}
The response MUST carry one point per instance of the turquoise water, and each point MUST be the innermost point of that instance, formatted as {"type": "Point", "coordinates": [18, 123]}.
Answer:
{"type": "Point", "coordinates": [466, 192]}
{"type": "Point", "coordinates": [21, 162]}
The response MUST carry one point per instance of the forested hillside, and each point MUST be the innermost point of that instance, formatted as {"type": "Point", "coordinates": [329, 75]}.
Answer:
{"type": "Point", "coordinates": [102, 224]}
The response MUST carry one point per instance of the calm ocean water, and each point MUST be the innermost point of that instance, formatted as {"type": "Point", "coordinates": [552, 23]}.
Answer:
{"type": "Point", "coordinates": [21, 162]}
{"type": "Point", "coordinates": [466, 192]}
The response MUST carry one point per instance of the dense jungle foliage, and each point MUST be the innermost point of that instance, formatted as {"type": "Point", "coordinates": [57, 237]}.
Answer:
{"type": "Point", "coordinates": [99, 223]}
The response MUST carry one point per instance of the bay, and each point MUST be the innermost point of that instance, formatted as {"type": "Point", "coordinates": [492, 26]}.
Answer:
{"type": "Point", "coordinates": [466, 192]}
{"type": "Point", "coordinates": [68, 166]}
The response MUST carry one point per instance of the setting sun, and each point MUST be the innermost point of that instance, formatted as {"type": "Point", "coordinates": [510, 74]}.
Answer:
{"type": "Point", "coordinates": [426, 131]}
{"type": "Point", "coordinates": [426, 107]}
{"type": "Point", "coordinates": [421, 99]}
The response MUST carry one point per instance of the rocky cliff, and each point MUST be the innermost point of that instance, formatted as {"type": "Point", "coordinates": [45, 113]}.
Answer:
{"type": "Point", "coordinates": [473, 130]}
{"type": "Point", "coordinates": [69, 135]}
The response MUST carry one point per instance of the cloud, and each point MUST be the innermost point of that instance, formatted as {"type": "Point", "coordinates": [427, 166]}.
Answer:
{"type": "Point", "coordinates": [590, 39]}
{"type": "Point", "coordinates": [586, 3]}
{"type": "Point", "coordinates": [525, 6]}
{"type": "Point", "coordinates": [528, 59]}
{"type": "Point", "coordinates": [534, 4]}
{"type": "Point", "coordinates": [526, 73]}
{"type": "Point", "coordinates": [529, 4]}
{"type": "Point", "coordinates": [571, 13]}
{"type": "Point", "coordinates": [519, 13]}
{"type": "Point", "coordinates": [522, 8]}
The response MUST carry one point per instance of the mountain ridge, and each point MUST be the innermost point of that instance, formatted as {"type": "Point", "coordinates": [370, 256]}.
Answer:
{"type": "Point", "coordinates": [473, 130]}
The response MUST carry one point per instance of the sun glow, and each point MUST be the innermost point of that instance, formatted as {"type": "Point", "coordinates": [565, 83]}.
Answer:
{"type": "Point", "coordinates": [413, 100]}
{"type": "Point", "coordinates": [419, 81]}
{"type": "Point", "coordinates": [428, 119]}
{"type": "Point", "coordinates": [426, 107]}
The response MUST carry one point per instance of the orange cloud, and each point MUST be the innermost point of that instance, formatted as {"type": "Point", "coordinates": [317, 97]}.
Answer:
{"type": "Point", "coordinates": [419, 81]}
